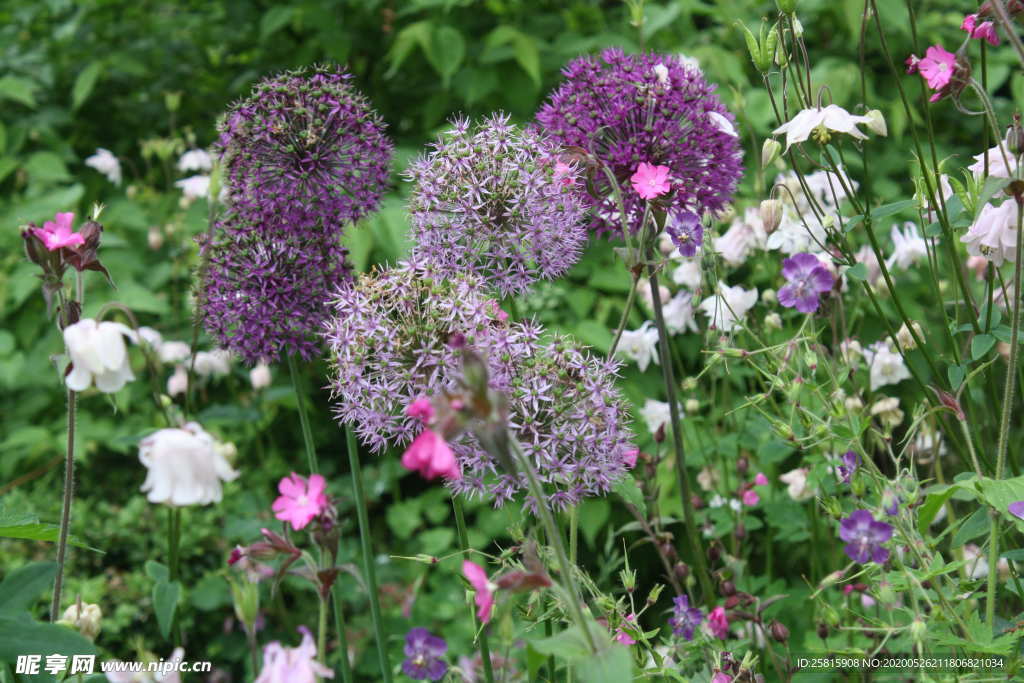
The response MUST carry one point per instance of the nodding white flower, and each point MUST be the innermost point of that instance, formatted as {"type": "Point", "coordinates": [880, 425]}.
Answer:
{"type": "Point", "coordinates": [886, 365]}
{"type": "Point", "coordinates": [994, 234]}
{"type": "Point", "coordinates": [679, 313]}
{"type": "Point", "coordinates": [98, 354]}
{"type": "Point", "coordinates": [797, 485]}
{"type": "Point", "coordinates": [656, 414]}
{"type": "Point", "coordinates": [150, 337]}
{"type": "Point", "coordinates": [998, 158]}
{"type": "Point", "coordinates": [178, 382]}
{"type": "Point", "coordinates": [85, 618]}
{"type": "Point", "coordinates": [173, 351]}
{"type": "Point", "coordinates": [908, 247]}
{"type": "Point", "coordinates": [722, 123]}
{"type": "Point", "coordinates": [743, 236]}
{"type": "Point", "coordinates": [661, 73]}
{"type": "Point", "coordinates": [793, 237]}
{"type": "Point", "coordinates": [195, 160]}
{"type": "Point", "coordinates": [212, 363]}
{"type": "Point", "coordinates": [194, 187]}
{"type": "Point", "coordinates": [707, 478]}
{"type": "Point", "coordinates": [639, 345]}
{"type": "Point", "coordinates": [888, 411]}
{"type": "Point", "coordinates": [869, 258]}
{"type": "Point", "coordinates": [819, 122]}
{"type": "Point", "coordinates": [688, 274]}
{"type": "Point", "coordinates": [644, 290]}
{"type": "Point", "coordinates": [259, 376]}
{"type": "Point", "coordinates": [106, 163]}
{"type": "Point", "coordinates": [186, 466]}
{"type": "Point", "coordinates": [727, 308]}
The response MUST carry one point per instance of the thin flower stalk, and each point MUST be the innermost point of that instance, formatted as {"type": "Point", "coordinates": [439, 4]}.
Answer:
{"type": "Point", "coordinates": [485, 649]}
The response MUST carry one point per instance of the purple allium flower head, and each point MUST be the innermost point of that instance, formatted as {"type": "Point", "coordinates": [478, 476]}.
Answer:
{"type": "Point", "coordinates": [686, 231]}
{"type": "Point", "coordinates": [864, 537]}
{"type": "Point", "coordinates": [304, 148]}
{"type": "Point", "coordinates": [264, 295]}
{"type": "Point", "coordinates": [423, 653]}
{"type": "Point", "coordinates": [807, 280]}
{"type": "Point", "coordinates": [498, 202]}
{"type": "Point", "coordinates": [684, 619]}
{"type": "Point", "coordinates": [647, 108]}
{"type": "Point", "coordinates": [389, 346]}
{"type": "Point", "coordinates": [850, 463]}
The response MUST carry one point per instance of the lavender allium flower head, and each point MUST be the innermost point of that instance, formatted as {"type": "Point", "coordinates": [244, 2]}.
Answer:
{"type": "Point", "coordinates": [389, 346]}
{"type": "Point", "coordinates": [686, 231]}
{"type": "Point", "coordinates": [864, 537]}
{"type": "Point", "coordinates": [807, 279]}
{"type": "Point", "coordinates": [648, 108]}
{"type": "Point", "coordinates": [684, 619]}
{"type": "Point", "coordinates": [304, 148]}
{"type": "Point", "coordinates": [423, 653]}
{"type": "Point", "coordinates": [266, 294]}
{"type": "Point", "coordinates": [496, 201]}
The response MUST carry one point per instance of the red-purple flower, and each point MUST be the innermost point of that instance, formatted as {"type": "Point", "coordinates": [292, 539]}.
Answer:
{"type": "Point", "coordinates": [301, 500]}
{"type": "Point", "coordinates": [807, 280]}
{"type": "Point", "coordinates": [423, 653]}
{"type": "Point", "coordinates": [477, 577]}
{"type": "Point", "coordinates": [431, 456]}
{"type": "Point", "coordinates": [650, 181]}
{"type": "Point", "coordinates": [684, 619]}
{"type": "Point", "coordinates": [57, 233]}
{"type": "Point", "coordinates": [864, 537]}
{"type": "Point", "coordinates": [621, 635]}
{"type": "Point", "coordinates": [718, 623]}
{"type": "Point", "coordinates": [986, 30]}
{"type": "Point", "coordinates": [944, 72]}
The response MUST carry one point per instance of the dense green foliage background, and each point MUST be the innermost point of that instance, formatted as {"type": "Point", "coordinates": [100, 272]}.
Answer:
{"type": "Point", "coordinates": [149, 79]}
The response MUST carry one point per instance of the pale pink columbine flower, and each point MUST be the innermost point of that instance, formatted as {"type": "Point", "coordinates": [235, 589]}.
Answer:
{"type": "Point", "coordinates": [718, 623]}
{"type": "Point", "coordinates": [477, 577]}
{"type": "Point", "coordinates": [986, 30]}
{"type": "Point", "coordinates": [301, 500]}
{"type": "Point", "coordinates": [57, 233]}
{"type": "Point", "coordinates": [650, 181]}
{"type": "Point", "coordinates": [292, 664]}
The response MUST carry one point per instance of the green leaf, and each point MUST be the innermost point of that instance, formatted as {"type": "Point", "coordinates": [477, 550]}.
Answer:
{"type": "Point", "coordinates": [46, 167]}
{"type": "Point", "coordinates": [936, 497]}
{"type": "Point", "coordinates": [19, 636]}
{"type": "Point", "coordinates": [18, 89]}
{"type": "Point", "coordinates": [21, 587]}
{"type": "Point", "coordinates": [157, 571]}
{"type": "Point", "coordinates": [858, 271]}
{"type": "Point", "coordinates": [85, 82]}
{"type": "Point", "coordinates": [413, 35]}
{"type": "Point", "coordinates": [404, 518]}
{"type": "Point", "coordinates": [891, 209]}
{"type": "Point", "coordinates": [276, 18]}
{"type": "Point", "coordinates": [975, 526]}
{"type": "Point", "coordinates": [447, 53]}
{"type": "Point", "coordinates": [569, 645]}
{"type": "Point", "coordinates": [627, 489]}
{"type": "Point", "coordinates": [613, 664]}
{"type": "Point", "coordinates": [1000, 493]}
{"type": "Point", "coordinates": [39, 531]}
{"type": "Point", "coordinates": [165, 603]}
{"type": "Point", "coordinates": [981, 344]}
{"type": "Point", "coordinates": [956, 374]}
{"type": "Point", "coordinates": [593, 515]}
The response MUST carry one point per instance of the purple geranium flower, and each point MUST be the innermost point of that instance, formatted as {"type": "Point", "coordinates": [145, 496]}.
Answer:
{"type": "Point", "coordinates": [1017, 509]}
{"type": "Point", "coordinates": [851, 461]}
{"type": "Point", "coordinates": [807, 280]}
{"type": "Point", "coordinates": [686, 231]}
{"type": "Point", "coordinates": [684, 618]}
{"type": "Point", "coordinates": [864, 537]}
{"type": "Point", "coordinates": [423, 652]}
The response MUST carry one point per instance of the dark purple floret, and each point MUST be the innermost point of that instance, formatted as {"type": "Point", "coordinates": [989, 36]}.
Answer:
{"type": "Point", "coordinates": [304, 148]}
{"type": "Point", "coordinates": [647, 108]}
{"type": "Point", "coordinates": [686, 231]}
{"type": "Point", "coordinates": [807, 280]}
{"type": "Point", "coordinates": [864, 537]}
{"type": "Point", "coordinates": [498, 202]}
{"type": "Point", "coordinates": [684, 619]}
{"type": "Point", "coordinates": [850, 463]}
{"type": "Point", "coordinates": [265, 295]}
{"type": "Point", "coordinates": [423, 653]}
{"type": "Point", "coordinates": [390, 344]}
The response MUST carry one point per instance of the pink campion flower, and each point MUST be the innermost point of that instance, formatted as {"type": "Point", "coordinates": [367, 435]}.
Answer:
{"type": "Point", "coordinates": [301, 500]}
{"type": "Point", "coordinates": [750, 498]}
{"type": "Point", "coordinates": [431, 456]}
{"type": "Point", "coordinates": [630, 457]}
{"type": "Point", "coordinates": [477, 577]}
{"type": "Point", "coordinates": [720, 677]}
{"type": "Point", "coordinates": [422, 409]}
{"type": "Point", "coordinates": [760, 479]}
{"type": "Point", "coordinates": [986, 30]}
{"type": "Point", "coordinates": [57, 233]}
{"type": "Point", "coordinates": [650, 181]}
{"type": "Point", "coordinates": [621, 635]}
{"type": "Point", "coordinates": [718, 623]}
{"type": "Point", "coordinates": [937, 67]}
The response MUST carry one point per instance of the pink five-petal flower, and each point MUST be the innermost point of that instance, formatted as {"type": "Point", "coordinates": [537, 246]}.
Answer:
{"type": "Point", "coordinates": [720, 677]}
{"type": "Point", "coordinates": [760, 479]}
{"type": "Point", "coordinates": [751, 498]}
{"type": "Point", "coordinates": [621, 635]}
{"type": "Point", "coordinates": [301, 499]}
{"type": "Point", "coordinates": [986, 30]}
{"type": "Point", "coordinates": [429, 455]}
{"type": "Point", "coordinates": [718, 623]}
{"type": "Point", "coordinates": [57, 233]}
{"type": "Point", "coordinates": [477, 577]}
{"type": "Point", "coordinates": [630, 456]}
{"type": "Point", "coordinates": [422, 409]}
{"type": "Point", "coordinates": [937, 67]}
{"type": "Point", "coordinates": [650, 181]}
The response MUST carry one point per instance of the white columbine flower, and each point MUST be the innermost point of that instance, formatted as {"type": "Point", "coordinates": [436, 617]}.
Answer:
{"type": "Point", "coordinates": [106, 163]}
{"type": "Point", "coordinates": [195, 160]}
{"type": "Point", "coordinates": [186, 466]}
{"type": "Point", "coordinates": [722, 123]}
{"type": "Point", "coordinates": [679, 313]}
{"type": "Point", "coordinates": [886, 366]}
{"type": "Point", "coordinates": [994, 234]}
{"type": "Point", "coordinates": [98, 353]}
{"type": "Point", "coordinates": [688, 274]}
{"type": "Point", "coordinates": [820, 121]}
{"type": "Point", "coordinates": [639, 345]}
{"type": "Point", "coordinates": [797, 485]}
{"type": "Point", "coordinates": [908, 247]}
{"type": "Point", "coordinates": [194, 187]}
{"type": "Point", "coordinates": [173, 351]}
{"type": "Point", "coordinates": [743, 236]}
{"type": "Point", "coordinates": [729, 306]}
{"type": "Point", "coordinates": [177, 383]}
{"type": "Point", "coordinates": [212, 363]}
{"type": "Point", "coordinates": [259, 376]}
{"type": "Point", "coordinates": [998, 158]}
{"type": "Point", "coordinates": [656, 414]}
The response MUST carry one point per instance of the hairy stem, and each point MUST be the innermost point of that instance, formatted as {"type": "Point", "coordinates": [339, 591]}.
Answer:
{"type": "Point", "coordinates": [65, 512]}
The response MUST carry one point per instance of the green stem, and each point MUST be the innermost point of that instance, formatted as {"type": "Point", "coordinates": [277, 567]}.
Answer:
{"type": "Point", "coordinates": [369, 570]}
{"type": "Point", "coordinates": [485, 648]}
{"type": "Point", "coordinates": [625, 315]}
{"type": "Point", "coordinates": [174, 553]}
{"type": "Point", "coordinates": [1011, 370]}
{"type": "Point", "coordinates": [343, 668]}
{"type": "Point", "coordinates": [993, 570]}
{"type": "Point", "coordinates": [321, 633]}
{"type": "Point", "coordinates": [65, 513]}
{"type": "Point", "coordinates": [668, 376]}
{"type": "Point", "coordinates": [307, 432]}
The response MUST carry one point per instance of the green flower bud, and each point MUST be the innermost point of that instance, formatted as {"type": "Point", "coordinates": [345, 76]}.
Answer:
{"type": "Point", "coordinates": [771, 150]}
